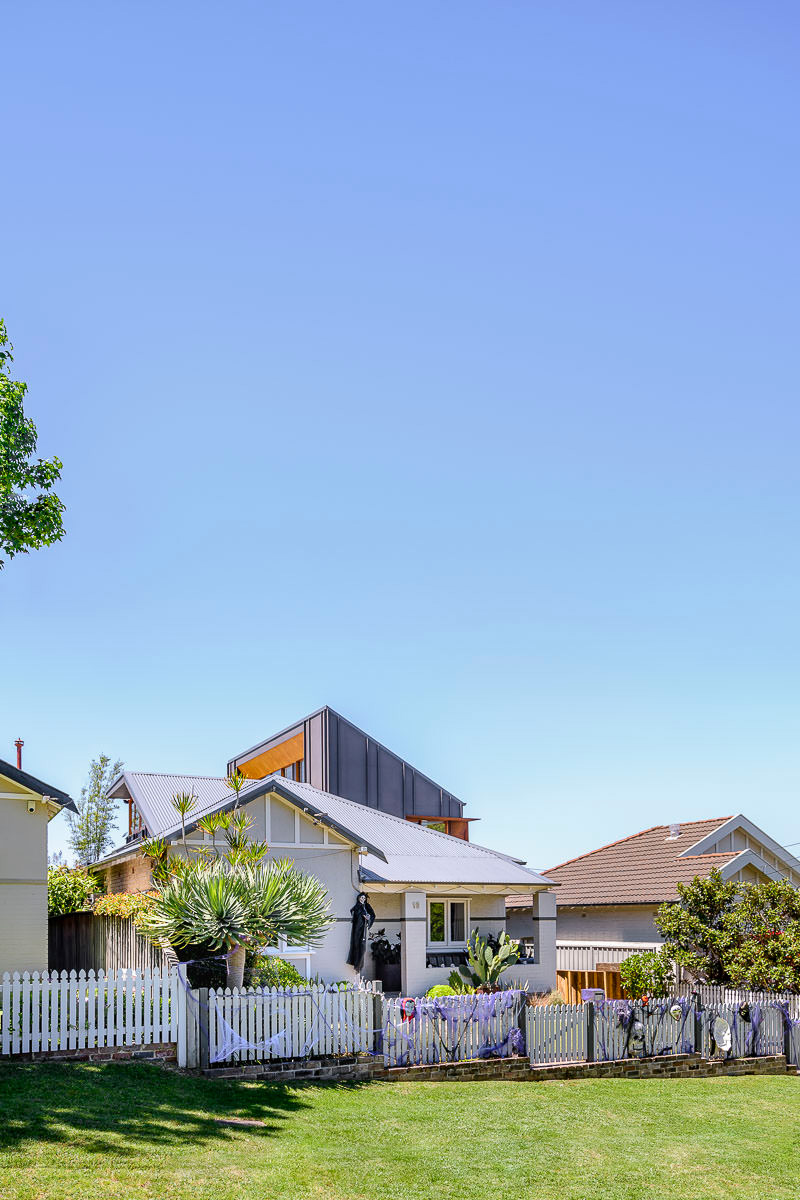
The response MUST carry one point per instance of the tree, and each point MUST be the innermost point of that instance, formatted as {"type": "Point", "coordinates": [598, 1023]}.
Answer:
{"type": "Point", "coordinates": [697, 929]}
{"type": "Point", "coordinates": [90, 829]}
{"type": "Point", "coordinates": [27, 522]}
{"type": "Point", "coordinates": [765, 954]}
{"type": "Point", "coordinates": [746, 934]}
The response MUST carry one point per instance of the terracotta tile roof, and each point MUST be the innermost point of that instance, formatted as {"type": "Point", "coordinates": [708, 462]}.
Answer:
{"type": "Point", "coordinates": [641, 869]}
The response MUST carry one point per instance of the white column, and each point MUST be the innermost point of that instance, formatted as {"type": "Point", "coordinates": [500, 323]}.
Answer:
{"type": "Point", "coordinates": [414, 942]}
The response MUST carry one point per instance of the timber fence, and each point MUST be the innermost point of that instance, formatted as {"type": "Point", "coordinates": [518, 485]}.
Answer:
{"type": "Point", "coordinates": [51, 1012]}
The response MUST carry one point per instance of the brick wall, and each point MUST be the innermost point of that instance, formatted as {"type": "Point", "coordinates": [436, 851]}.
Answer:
{"type": "Point", "coordinates": [363, 1067]}
{"type": "Point", "coordinates": [157, 1051]}
{"type": "Point", "coordinates": [134, 875]}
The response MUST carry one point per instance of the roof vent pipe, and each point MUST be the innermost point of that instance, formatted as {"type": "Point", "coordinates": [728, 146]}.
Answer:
{"type": "Point", "coordinates": [19, 744]}
{"type": "Point", "coordinates": [674, 831]}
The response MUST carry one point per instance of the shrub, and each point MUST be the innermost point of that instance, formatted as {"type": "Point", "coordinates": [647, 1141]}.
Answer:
{"type": "Point", "coordinates": [126, 905]}
{"type": "Point", "coordinates": [268, 971]}
{"type": "Point", "coordinates": [440, 989]}
{"type": "Point", "coordinates": [646, 974]}
{"type": "Point", "coordinates": [70, 891]}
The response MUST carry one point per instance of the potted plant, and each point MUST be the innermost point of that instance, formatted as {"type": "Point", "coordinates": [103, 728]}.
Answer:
{"type": "Point", "coordinates": [386, 956]}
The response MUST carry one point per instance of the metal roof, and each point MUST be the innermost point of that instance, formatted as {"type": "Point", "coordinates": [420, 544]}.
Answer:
{"type": "Point", "coordinates": [397, 850]}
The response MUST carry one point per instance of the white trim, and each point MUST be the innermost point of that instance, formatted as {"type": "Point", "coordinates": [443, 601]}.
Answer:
{"type": "Point", "coordinates": [741, 822]}
{"type": "Point", "coordinates": [448, 943]}
{"type": "Point", "coordinates": [749, 858]}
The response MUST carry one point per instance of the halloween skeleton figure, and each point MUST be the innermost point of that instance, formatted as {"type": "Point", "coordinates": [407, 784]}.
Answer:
{"type": "Point", "coordinates": [363, 918]}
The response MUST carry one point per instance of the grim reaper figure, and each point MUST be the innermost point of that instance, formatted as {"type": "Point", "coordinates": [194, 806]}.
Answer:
{"type": "Point", "coordinates": [363, 917]}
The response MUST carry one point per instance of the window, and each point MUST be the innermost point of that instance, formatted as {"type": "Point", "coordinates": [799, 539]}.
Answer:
{"type": "Point", "coordinates": [439, 826]}
{"type": "Point", "coordinates": [447, 922]}
{"type": "Point", "coordinates": [134, 819]}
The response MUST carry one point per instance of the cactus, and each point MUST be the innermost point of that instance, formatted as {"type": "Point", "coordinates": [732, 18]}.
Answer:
{"type": "Point", "coordinates": [487, 958]}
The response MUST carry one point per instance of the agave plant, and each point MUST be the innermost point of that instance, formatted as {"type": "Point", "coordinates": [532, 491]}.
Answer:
{"type": "Point", "coordinates": [487, 958]}
{"type": "Point", "coordinates": [218, 909]}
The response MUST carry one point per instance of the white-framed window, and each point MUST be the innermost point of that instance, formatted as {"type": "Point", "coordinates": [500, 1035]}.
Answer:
{"type": "Point", "coordinates": [448, 922]}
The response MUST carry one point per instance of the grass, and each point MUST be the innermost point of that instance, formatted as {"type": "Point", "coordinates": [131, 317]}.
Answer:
{"type": "Point", "coordinates": [139, 1132]}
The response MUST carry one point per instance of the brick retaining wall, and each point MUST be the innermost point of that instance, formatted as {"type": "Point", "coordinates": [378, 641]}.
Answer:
{"type": "Point", "coordinates": [157, 1051]}
{"type": "Point", "coordinates": [364, 1068]}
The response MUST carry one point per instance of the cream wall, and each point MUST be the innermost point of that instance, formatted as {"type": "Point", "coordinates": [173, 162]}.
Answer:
{"type": "Point", "coordinates": [23, 881]}
{"type": "Point", "coordinates": [612, 922]}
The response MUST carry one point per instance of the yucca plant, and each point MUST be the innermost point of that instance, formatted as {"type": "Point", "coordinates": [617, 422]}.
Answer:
{"type": "Point", "coordinates": [212, 909]}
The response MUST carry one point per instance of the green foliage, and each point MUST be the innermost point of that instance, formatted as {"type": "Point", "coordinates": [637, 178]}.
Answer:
{"type": "Point", "coordinates": [765, 951]}
{"type": "Point", "coordinates": [183, 803]}
{"type": "Point", "coordinates": [745, 934]}
{"type": "Point", "coordinates": [90, 828]}
{"type": "Point", "coordinates": [236, 781]}
{"type": "Point", "coordinates": [70, 891]}
{"type": "Point", "coordinates": [126, 905]}
{"type": "Point", "coordinates": [213, 906]}
{"type": "Point", "coordinates": [487, 958]}
{"type": "Point", "coordinates": [649, 973]}
{"type": "Point", "coordinates": [269, 971]}
{"type": "Point", "coordinates": [156, 851]}
{"type": "Point", "coordinates": [697, 929]}
{"type": "Point", "coordinates": [27, 521]}
{"type": "Point", "coordinates": [459, 985]}
{"type": "Point", "coordinates": [441, 989]}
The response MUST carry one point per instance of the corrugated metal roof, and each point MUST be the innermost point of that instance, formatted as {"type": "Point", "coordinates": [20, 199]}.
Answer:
{"type": "Point", "coordinates": [413, 853]}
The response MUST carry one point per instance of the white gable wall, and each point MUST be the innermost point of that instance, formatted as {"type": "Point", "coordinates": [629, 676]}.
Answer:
{"type": "Point", "coordinates": [23, 880]}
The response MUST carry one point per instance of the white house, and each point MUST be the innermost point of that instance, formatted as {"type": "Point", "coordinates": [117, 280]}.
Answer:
{"type": "Point", "coordinates": [26, 806]}
{"type": "Point", "coordinates": [430, 887]}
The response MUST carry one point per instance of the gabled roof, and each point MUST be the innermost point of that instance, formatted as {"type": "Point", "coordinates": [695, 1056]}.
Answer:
{"type": "Point", "coordinates": [396, 850]}
{"type": "Point", "coordinates": [641, 869]}
{"type": "Point", "coordinates": [16, 775]}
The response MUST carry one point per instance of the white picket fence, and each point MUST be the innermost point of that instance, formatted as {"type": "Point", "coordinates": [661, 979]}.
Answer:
{"type": "Point", "coordinates": [261, 1024]}
{"type": "Point", "coordinates": [83, 1010]}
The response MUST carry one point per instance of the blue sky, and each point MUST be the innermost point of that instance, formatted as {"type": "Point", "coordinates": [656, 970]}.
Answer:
{"type": "Point", "coordinates": [435, 362]}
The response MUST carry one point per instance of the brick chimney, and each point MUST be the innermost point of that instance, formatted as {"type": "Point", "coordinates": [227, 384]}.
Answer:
{"type": "Point", "coordinates": [19, 744]}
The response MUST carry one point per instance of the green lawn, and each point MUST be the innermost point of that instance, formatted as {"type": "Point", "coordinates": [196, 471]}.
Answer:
{"type": "Point", "coordinates": [138, 1131]}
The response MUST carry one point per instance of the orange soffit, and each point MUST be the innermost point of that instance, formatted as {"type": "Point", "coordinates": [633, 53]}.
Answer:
{"type": "Point", "coordinates": [274, 759]}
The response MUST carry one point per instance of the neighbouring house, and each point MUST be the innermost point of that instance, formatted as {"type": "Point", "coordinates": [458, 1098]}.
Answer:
{"type": "Point", "coordinates": [429, 887]}
{"type": "Point", "coordinates": [607, 899]}
{"type": "Point", "coordinates": [27, 804]}
{"type": "Point", "coordinates": [329, 752]}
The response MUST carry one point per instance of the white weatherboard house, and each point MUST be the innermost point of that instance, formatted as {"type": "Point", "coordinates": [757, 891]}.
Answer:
{"type": "Point", "coordinates": [428, 886]}
{"type": "Point", "coordinates": [26, 806]}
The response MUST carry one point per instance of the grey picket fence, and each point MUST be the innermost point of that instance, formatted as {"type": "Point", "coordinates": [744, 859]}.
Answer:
{"type": "Point", "coordinates": [760, 1024]}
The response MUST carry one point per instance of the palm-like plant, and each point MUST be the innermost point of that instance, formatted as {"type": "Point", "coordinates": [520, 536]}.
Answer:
{"type": "Point", "coordinates": [236, 781]}
{"type": "Point", "coordinates": [220, 909]}
{"type": "Point", "coordinates": [183, 803]}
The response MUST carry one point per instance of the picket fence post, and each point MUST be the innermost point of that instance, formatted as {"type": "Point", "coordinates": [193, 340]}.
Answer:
{"type": "Point", "coordinates": [589, 1006]}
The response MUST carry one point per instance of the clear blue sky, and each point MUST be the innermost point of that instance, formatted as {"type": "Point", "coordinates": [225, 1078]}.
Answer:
{"type": "Point", "coordinates": [437, 362]}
